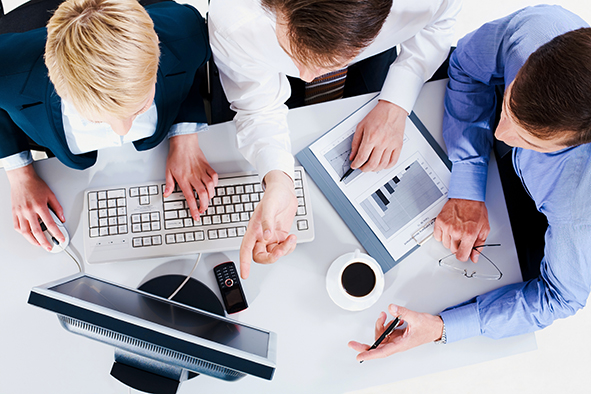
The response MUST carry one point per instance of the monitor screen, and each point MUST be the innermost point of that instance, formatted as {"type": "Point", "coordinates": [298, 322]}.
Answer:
{"type": "Point", "coordinates": [161, 312]}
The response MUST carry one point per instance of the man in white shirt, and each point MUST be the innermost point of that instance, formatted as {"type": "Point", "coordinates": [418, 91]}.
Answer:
{"type": "Point", "coordinates": [257, 45]}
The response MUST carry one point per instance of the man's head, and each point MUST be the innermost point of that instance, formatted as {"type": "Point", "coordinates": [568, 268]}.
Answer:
{"type": "Point", "coordinates": [548, 105]}
{"type": "Point", "coordinates": [102, 56]}
{"type": "Point", "coordinates": [325, 35]}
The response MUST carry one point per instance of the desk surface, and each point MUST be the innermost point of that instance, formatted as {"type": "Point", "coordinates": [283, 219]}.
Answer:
{"type": "Point", "coordinates": [288, 297]}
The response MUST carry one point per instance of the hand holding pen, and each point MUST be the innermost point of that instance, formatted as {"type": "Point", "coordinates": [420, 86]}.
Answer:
{"type": "Point", "coordinates": [384, 335]}
{"type": "Point", "coordinates": [421, 328]}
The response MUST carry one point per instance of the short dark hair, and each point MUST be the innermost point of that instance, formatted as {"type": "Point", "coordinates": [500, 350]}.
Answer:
{"type": "Point", "coordinates": [327, 32]}
{"type": "Point", "coordinates": [551, 94]}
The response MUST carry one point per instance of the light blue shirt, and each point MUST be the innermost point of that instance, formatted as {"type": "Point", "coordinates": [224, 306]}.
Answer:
{"type": "Point", "coordinates": [559, 182]}
{"type": "Point", "coordinates": [83, 136]}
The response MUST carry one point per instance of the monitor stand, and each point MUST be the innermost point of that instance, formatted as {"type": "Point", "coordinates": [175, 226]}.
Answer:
{"type": "Point", "coordinates": [151, 376]}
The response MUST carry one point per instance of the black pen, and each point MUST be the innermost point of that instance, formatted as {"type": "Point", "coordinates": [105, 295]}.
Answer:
{"type": "Point", "coordinates": [349, 172]}
{"type": "Point", "coordinates": [387, 332]}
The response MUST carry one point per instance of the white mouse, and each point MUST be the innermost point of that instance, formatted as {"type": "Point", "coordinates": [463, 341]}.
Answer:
{"type": "Point", "coordinates": [64, 231]}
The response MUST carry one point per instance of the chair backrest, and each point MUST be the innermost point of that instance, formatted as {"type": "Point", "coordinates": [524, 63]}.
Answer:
{"type": "Point", "coordinates": [1, 9]}
{"type": "Point", "coordinates": [28, 16]}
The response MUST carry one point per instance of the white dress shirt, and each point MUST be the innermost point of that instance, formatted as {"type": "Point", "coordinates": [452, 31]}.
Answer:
{"type": "Point", "coordinates": [84, 136]}
{"type": "Point", "coordinates": [253, 67]}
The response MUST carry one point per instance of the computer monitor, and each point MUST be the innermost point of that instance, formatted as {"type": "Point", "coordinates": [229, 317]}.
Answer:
{"type": "Point", "coordinates": [155, 336]}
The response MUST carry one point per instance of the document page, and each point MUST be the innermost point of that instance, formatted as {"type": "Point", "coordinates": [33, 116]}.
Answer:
{"type": "Point", "coordinates": [398, 204]}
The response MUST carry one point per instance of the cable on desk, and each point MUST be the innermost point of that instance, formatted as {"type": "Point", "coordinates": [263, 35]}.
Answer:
{"type": "Point", "coordinates": [67, 250]}
{"type": "Point", "coordinates": [186, 279]}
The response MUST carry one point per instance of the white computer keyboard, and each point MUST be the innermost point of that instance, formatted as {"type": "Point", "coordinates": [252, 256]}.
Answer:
{"type": "Point", "coordinates": [131, 222]}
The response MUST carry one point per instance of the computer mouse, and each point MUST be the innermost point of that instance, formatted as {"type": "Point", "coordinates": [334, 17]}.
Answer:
{"type": "Point", "coordinates": [53, 240]}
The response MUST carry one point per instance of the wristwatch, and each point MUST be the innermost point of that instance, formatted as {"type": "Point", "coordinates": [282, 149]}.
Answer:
{"type": "Point", "coordinates": [443, 339]}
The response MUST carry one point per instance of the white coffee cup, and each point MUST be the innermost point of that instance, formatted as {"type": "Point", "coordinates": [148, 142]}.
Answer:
{"type": "Point", "coordinates": [355, 281]}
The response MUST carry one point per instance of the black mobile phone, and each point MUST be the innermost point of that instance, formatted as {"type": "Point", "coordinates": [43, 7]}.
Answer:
{"type": "Point", "coordinates": [230, 287]}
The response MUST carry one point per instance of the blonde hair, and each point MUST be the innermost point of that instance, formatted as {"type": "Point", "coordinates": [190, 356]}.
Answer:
{"type": "Point", "coordinates": [102, 55]}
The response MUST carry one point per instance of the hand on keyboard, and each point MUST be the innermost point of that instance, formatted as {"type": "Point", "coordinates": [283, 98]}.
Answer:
{"type": "Point", "coordinates": [186, 164]}
{"type": "Point", "coordinates": [267, 237]}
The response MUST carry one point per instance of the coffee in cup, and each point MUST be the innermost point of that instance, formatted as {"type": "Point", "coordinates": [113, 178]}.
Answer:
{"type": "Point", "coordinates": [358, 279]}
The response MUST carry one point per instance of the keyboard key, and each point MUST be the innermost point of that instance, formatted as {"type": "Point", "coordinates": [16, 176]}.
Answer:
{"type": "Point", "coordinates": [156, 240]}
{"type": "Point", "coordinates": [103, 222]}
{"type": "Point", "coordinates": [188, 222]}
{"type": "Point", "coordinates": [244, 216]}
{"type": "Point", "coordinates": [226, 218]}
{"type": "Point", "coordinates": [147, 241]}
{"type": "Point", "coordinates": [121, 211]}
{"type": "Point", "coordinates": [134, 191]}
{"type": "Point", "coordinates": [94, 232]}
{"type": "Point", "coordinates": [212, 234]}
{"type": "Point", "coordinates": [155, 226]}
{"type": "Point", "coordinates": [239, 189]}
{"type": "Point", "coordinates": [137, 242]}
{"type": "Point", "coordinates": [206, 220]}
{"type": "Point", "coordinates": [220, 210]}
{"type": "Point", "coordinates": [302, 225]}
{"type": "Point", "coordinates": [145, 217]}
{"type": "Point", "coordinates": [122, 220]}
{"type": "Point", "coordinates": [217, 201]}
{"type": "Point", "coordinates": [112, 203]}
{"type": "Point", "coordinates": [113, 221]}
{"type": "Point", "coordinates": [169, 224]}
{"type": "Point", "coordinates": [144, 200]}
{"type": "Point", "coordinates": [102, 204]}
{"type": "Point", "coordinates": [121, 202]}
{"type": "Point", "coordinates": [231, 232]}
{"type": "Point", "coordinates": [155, 216]}
{"type": "Point", "coordinates": [102, 195]}
{"type": "Point", "coordinates": [189, 237]}
{"type": "Point", "coordinates": [146, 227]}
{"type": "Point", "coordinates": [235, 217]}
{"type": "Point", "coordinates": [116, 193]}
{"type": "Point", "coordinates": [199, 236]}
{"type": "Point", "coordinates": [183, 214]}
{"type": "Point", "coordinates": [153, 190]}
{"type": "Point", "coordinates": [235, 199]}
{"type": "Point", "coordinates": [136, 228]}
{"type": "Point", "coordinates": [301, 211]}
{"type": "Point", "coordinates": [230, 190]}
{"type": "Point", "coordinates": [220, 191]}
{"type": "Point", "coordinates": [170, 215]}
{"type": "Point", "coordinates": [258, 188]}
{"type": "Point", "coordinates": [254, 197]}
{"type": "Point", "coordinates": [102, 213]}
{"type": "Point", "coordinates": [216, 219]}
{"type": "Point", "coordinates": [112, 211]}
{"type": "Point", "coordinates": [248, 188]}
{"type": "Point", "coordinates": [297, 174]}
{"type": "Point", "coordinates": [170, 239]}
{"type": "Point", "coordinates": [239, 208]}
{"type": "Point", "coordinates": [136, 218]}
{"type": "Point", "coordinates": [173, 205]}
{"type": "Point", "coordinates": [226, 200]}
{"type": "Point", "coordinates": [229, 209]}
{"type": "Point", "coordinates": [103, 231]}
{"type": "Point", "coordinates": [123, 229]}
{"type": "Point", "coordinates": [93, 219]}
{"type": "Point", "coordinates": [248, 207]}
{"type": "Point", "coordinates": [241, 231]}
{"type": "Point", "coordinates": [144, 191]}
{"type": "Point", "coordinates": [299, 192]}
{"type": "Point", "coordinates": [223, 233]}
{"type": "Point", "coordinates": [180, 238]}
{"type": "Point", "coordinates": [301, 201]}
{"type": "Point", "coordinates": [113, 230]}
{"type": "Point", "coordinates": [92, 200]}
{"type": "Point", "coordinates": [298, 184]}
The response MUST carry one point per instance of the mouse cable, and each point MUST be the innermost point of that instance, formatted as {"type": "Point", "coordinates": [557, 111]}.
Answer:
{"type": "Point", "coordinates": [186, 279]}
{"type": "Point", "coordinates": [55, 241]}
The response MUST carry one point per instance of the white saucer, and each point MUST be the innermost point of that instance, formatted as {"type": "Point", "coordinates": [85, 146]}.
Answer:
{"type": "Point", "coordinates": [340, 296]}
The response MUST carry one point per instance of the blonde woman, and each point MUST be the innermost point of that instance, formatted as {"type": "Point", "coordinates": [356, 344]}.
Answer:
{"type": "Point", "coordinates": [102, 73]}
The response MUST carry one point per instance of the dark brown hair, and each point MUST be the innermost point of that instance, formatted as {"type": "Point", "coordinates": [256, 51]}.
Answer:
{"type": "Point", "coordinates": [551, 94]}
{"type": "Point", "coordinates": [328, 32]}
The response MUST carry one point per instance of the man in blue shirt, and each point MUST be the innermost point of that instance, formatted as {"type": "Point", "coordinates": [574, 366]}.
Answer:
{"type": "Point", "coordinates": [542, 55]}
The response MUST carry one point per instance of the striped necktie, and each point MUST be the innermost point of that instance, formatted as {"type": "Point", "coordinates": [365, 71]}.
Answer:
{"type": "Point", "coordinates": [326, 87]}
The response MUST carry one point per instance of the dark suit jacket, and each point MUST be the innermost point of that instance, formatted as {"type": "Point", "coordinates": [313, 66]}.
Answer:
{"type": "Point", "coordinates": [29, 104]}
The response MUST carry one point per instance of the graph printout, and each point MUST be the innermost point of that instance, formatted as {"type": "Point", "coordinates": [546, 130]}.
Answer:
{"type": "Point", "coordinates": [396, 204]}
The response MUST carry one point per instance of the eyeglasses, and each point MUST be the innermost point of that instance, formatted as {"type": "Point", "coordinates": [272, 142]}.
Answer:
{"type": "Point", "coordinates": [485, 271]}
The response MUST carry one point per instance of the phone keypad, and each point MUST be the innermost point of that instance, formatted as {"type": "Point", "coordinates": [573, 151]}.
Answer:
{"type": "Point", "coordinates": [226, 275]}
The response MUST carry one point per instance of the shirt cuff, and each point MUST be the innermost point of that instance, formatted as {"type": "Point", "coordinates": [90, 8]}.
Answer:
{"type": "Point", "coordinates": [271, 159]}
{"type": "Point", "coordinates": [461, 322]}
{"type": "Point", "coordinates": [468, 181]}
{"type": "Point", "coordinates": [17, 160]}
{"type": "Point", "coordinates": [402, 88]}
{"type": "Point", "coordinates": [187, 128]}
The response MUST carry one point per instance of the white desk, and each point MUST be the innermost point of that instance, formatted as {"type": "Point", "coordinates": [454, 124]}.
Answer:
{"type": "Point", "coordinates": [288, 297]}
